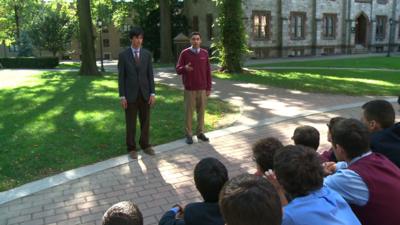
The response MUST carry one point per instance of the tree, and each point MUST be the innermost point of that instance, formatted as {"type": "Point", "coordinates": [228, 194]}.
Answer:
{"type": "Point", "coordinates": [165, 32]}
{"type": "Point", "coordinates": [18, 15]}
{"type": "Point", "coordinates": [88, 57]}
{"type": "Point", "coordinates": [232, 44]}
{"type": "Point", "coordinates": [25, 45]}
{"type": "Point", "coordinates": [53, 29]}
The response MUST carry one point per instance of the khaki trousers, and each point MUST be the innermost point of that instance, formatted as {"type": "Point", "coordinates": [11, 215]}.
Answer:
{"type": "Point", "coordinates": [198, 100]}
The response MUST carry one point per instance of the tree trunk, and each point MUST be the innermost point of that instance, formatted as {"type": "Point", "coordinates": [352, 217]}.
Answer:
{"type": "Point", "coordinates": [88, 56]}
{"type": "Point", "coordinates": [165, 32]}
{"type": "Point", "coordinates": [16, 11]}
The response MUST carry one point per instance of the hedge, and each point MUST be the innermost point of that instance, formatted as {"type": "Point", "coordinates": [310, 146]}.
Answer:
{"type": "Point", "coordinates": [30, 62]}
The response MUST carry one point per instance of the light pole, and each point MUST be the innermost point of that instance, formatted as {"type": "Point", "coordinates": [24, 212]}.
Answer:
{"type": "Point", "coordinates": [390, 36]}
{"type": "Point", "coordinates": [100, 25]}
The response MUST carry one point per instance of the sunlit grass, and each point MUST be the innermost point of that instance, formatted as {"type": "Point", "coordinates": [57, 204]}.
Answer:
{"type": "Point", "coordinates": [57, 121]}
{"type": "Point", "coordinates": [350, 82]}
{"type": "Point", "coordinates": [367, 62]}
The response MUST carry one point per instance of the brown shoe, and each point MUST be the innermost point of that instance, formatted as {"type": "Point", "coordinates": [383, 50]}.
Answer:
{"type": "Point", "coordinates": [149, 150]}
{"type": "Point", "coordinates": [133, 154]}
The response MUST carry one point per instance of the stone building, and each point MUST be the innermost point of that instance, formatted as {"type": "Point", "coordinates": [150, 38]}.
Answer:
{"type": "Point", "coordinates": [281, 28]}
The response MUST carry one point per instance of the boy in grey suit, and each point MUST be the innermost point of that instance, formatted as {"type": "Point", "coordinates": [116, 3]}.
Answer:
{"type": "Point", "coordinates": [136, 91]}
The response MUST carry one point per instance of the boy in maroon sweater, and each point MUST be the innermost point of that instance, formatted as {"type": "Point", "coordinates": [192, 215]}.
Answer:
{"type": "Point", "coordinates": [194, 66]}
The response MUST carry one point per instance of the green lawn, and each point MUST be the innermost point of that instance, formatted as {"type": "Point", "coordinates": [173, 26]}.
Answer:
{"type": "Point", "coordinates": [368, 62]}
{"type": "Point", "coordinates": [57, 121]}
{"type": "Point", "coordinates": [77, 65]}
{"type": "Point", "coordinates": [350, 82]}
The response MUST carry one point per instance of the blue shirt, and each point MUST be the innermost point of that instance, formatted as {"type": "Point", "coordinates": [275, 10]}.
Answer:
{"type": "Point", "coordinates": [349, 184]}
{"type": "Point", "coordinates": [323, 206]}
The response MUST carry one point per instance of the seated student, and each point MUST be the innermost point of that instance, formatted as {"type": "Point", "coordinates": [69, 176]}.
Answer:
{"type": "Point", "coordinates": [123, 213]}
{"type": "Point", "coordinates": [329, 155]}
{"type": "Point", "coordinates": [379, 117]}
{"type": "Point", "coordinates": [263, 154]}
{"type": "Point", "coordinates": [298, 169]}
{"type": "Point", "coordinates": [307, 136]}
{"type": "Point", "coordinates": [371, 182]}
{"type": "Point", "coordinates": [210, 175]}
{"type": "Point", "coordinates": [250, 200]}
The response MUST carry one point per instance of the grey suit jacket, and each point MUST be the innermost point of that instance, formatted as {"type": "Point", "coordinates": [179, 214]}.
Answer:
{"type": "Point", "coordinates": [135, 78]}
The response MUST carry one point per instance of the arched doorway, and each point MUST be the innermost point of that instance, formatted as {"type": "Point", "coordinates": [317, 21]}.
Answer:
{"type": "Point", "coordinates": [361, 29]}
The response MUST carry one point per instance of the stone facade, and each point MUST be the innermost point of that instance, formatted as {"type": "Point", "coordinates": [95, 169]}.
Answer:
{"type": "Point", "coordinates": [281, 28]}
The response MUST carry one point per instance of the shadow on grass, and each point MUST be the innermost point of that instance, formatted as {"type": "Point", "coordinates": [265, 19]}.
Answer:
{"type": "Point", "coordinates": [64, 121]}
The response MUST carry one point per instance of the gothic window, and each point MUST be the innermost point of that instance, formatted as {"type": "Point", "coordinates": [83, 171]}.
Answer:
{"type": "Point", "coordinates": [106, 42]}
{"type": "Point", "coordinates": [261, 24]}
{"type": "Point", "coordinates": [329, 25]}
{"type": "Point", "coordinates": [297, 25]}
{"type": "Point", "coordinates": [381, 27]}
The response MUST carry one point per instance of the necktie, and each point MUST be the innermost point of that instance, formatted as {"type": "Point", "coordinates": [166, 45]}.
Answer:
{"type": "Point", "coordinates": [137, 59]}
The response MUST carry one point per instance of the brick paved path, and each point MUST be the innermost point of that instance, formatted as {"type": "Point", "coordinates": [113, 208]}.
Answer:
{"type": "Point", "coordinates": [154, 183]}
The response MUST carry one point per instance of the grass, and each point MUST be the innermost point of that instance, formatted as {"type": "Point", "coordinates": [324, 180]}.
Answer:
{"type": "Point", "coordinates": [77, 65]}
{"type": "Point", "coordinates": [381, 62]}
{"type": "Point", "coordinates": [58, 121]}
{"type": "Point", "coordinates": [69, 65]}
{"type": "Point", "coordinates": [349, 82]}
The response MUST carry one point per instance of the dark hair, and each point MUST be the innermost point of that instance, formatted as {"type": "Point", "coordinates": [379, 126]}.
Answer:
{"type": "Point", "coordinates": [298, 170]}
{"type": "Point", "coordinates": [210, 175]}
{"type": "Point", "coordinates": [195, 33]}
{"type": "Point", "coordinates": [381, 111]}
{"type": "Point", "coordinates": [136, 32]}
{"type": "Point", "coordinates": [264, 151]}
{"type": "Point", "coordinates": [123, 213]}
{"type": "Point", "coordinates": [352, 135]}
{"type": "Point", "coordinates": [307, 136]}
{"type": "Point", "coordinates": [250, 200]}
{"type": "Point", "coordinates": [334, 121]}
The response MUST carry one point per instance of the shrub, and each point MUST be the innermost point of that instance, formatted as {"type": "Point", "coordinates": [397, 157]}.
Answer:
{"type": "Point", "coordinates": [30, 63]}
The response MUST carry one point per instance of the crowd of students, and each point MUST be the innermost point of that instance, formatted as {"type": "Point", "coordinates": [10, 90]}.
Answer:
{"type": "Point", "coordinates": [356, 181]}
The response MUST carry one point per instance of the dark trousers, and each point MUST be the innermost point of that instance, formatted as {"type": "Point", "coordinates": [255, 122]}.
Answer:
{"type": "Point", "coordinates": [141, 108]}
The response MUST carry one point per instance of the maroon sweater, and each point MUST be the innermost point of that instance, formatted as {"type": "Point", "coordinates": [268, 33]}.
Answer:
{"type": "Point", "coordinates": [383, 180]}
{"type": "Point", "coordinates": [200, 77]}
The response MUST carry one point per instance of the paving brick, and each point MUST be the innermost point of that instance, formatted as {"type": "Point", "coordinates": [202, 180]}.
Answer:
{"type": "Point", "coordinates": [56, 218]}
{"type": "Point", "coordinates": [92, 217]}
{"type": "Point", "coordinates": [34, 222]}
{"type": "Point", "coordinates": [78, 213]}
{"type": "Point", "coordinates": [88, 205]}
{"type": "Point", "coordinates": [19, 219]}
{"type": "Point", "coordinates": [66, 209]}
{"type": "Point", "coordinates": [101, 208]}
{"type": "Point", "coordinates": [44, 214]}
{"type": "Point", "coordinates": [73, 221]}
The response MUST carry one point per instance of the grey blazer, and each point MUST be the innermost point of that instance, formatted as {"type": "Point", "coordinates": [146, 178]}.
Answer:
{"type": "Point", "coordinates": [133, 78]}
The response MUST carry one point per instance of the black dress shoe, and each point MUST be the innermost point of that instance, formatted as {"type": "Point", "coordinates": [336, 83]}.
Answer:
{"type": "Point", "coordinates": [203, 137]}
{"type": "Point", "coordinates": [189, 140]}
{"type": "Point", "coordinates": [133, 154]}
{"type": "Point", "coordinates": [149, 151]}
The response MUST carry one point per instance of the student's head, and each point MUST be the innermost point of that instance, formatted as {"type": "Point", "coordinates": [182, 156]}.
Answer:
{"type": "Point", "coordinates": [298, 169]}
{"type": "Point", "coordinates": [264, 151]}
{"type": "Point", "coordinates": [136, 37]}
{"type": "Point", "coordinates": [195, 39]}
{"type": "Point", "coordinates": [378, 115]}
{"type": "Point", "coordinates": [350, 138]}
{"type": "Point", "coordinates": [123, 213]}
{"type": "Point", "coordinates": [250, 200]}
{"type": "Point", "coordinates": [330, 125]}
{"type": "Point", "coordinates": [307, 136]}
{"type": "Point", "coordinates": [210, 176]}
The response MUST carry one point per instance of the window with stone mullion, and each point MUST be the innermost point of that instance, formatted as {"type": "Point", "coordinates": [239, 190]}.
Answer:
{"type": "Point", "coordinates": [329, 23]}
{"type": "Point", "coordinates": [297, 23]}
{"type": "Point", "coordinates": [260, 25]}
{"type": "Point", "coordinates": [381, 27]}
